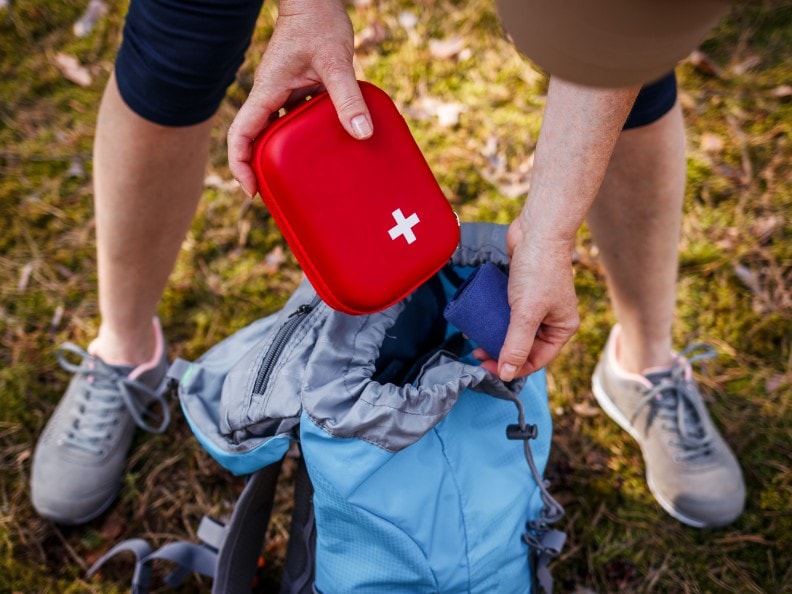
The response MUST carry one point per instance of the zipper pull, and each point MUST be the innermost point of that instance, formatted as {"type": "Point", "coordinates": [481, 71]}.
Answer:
{"type": "Point", "coordinates": [303, 309]}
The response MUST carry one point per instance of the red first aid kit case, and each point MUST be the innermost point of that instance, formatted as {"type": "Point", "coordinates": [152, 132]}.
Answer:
{"type": "Point", "coordinates": [366, 219]}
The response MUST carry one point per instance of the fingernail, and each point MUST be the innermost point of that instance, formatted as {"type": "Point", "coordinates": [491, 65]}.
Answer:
{"type": "Point", "coordinates": [507, 372]}
{"type": "Point", "coordinates": [244, 189]}
{"type": "Point", "coordinates": [361, 126]}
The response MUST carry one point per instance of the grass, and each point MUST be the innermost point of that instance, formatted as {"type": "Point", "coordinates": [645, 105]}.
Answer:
{"type": "Point", "coordinates": [734, 289]}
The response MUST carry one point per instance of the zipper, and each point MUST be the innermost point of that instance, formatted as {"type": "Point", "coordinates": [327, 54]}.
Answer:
{"type": "Point", "coordinates": [285, 332]}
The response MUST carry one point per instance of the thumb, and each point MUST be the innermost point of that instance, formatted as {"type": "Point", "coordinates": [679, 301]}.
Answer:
{"type": "Point", "coordinates": [516, 348]}
{"type": "Point", "coordinates": [347, 99]}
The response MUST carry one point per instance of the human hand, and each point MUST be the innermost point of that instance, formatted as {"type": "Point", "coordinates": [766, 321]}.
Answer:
{"type": "Point", "coordinates": [311, 49]}
{"type": "Point", "coordinates": [543, 303]}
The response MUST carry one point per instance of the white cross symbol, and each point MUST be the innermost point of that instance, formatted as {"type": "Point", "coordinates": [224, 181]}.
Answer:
{"type": "Point", "coordinates": [403, 226]}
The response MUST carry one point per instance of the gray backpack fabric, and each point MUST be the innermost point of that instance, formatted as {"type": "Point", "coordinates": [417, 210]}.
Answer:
{"type": "Point", "coordinates": [413, 476]}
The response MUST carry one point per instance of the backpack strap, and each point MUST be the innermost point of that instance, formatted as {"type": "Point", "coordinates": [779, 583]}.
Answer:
{"type": "Point", "coordinates": [177, 370]}
{"type": "Point", "coordinates": [298, 574]}
{"type": "Point", "coordinates": [188, 556]}
{"type": "Point", "coordinates": [141, 549]}
{"type": "Point", "coordinates": [227, 552]}
{"type": "Point", "coordinates": [245, 532]}
{"type": "Point", "coordinates": [542, 551]}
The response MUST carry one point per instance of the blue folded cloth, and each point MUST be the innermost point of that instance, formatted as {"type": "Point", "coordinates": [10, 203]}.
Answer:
{"type": "Point", "coordinates": [480, 308]}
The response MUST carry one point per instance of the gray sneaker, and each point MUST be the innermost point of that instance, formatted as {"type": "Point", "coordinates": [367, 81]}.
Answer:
{"type": "Point", "coordinates": [690, 469]}
{"type": "Point", "coordinates": [81, 454]}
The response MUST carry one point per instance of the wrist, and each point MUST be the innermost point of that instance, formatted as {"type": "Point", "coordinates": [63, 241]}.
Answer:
{"type": "Point", "coordinates": [291, 7]}
{"type": "Point", "coordinates": [547, 230]}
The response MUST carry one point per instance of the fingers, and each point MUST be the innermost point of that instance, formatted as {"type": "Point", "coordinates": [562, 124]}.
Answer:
{"type": "Point", "coordinates": [309, 49]}
{"type": "Point", "coordinates": [339, 79]}
{"type": "Point", "coordinates": [517, 348]}
{"type": "Point", "coordinates": [264, 101]}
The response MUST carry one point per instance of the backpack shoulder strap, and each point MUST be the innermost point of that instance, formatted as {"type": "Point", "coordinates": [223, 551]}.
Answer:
{"type": "Point", "coordinates": [227, 552]}
{"type": "Point", "coordinates": [298, 574]}
{"type": "Point", "coordinates": [245, 532]}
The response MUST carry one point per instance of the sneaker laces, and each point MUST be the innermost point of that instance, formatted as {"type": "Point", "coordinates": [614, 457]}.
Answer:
{"type": "Point", "coordinates": [108, 393]}
{"type": "Point", "coordinates": [676, 401]}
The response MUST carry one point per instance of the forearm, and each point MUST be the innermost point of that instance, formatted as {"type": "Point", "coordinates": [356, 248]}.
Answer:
{"type": "Point", "coordinates": [579, 130]}
{"type": "Point", "coordinates": [287, 8]}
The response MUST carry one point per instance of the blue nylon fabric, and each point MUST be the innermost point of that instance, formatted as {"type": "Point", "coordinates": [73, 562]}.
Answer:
{"type": "Point", "coordinates": [238, 462]}
{"type": "Point", "coordinates": [445, 514]}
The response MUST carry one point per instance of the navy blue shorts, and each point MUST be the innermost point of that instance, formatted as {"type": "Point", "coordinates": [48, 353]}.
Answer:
{"type": "Point", "coordinates": [178, 57]}
{"type": "Point", "coordinates": [653, 102]}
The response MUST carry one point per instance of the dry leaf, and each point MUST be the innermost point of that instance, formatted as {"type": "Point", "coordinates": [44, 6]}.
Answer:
{"type": "Point", "coordinates": [371, 36]}
{"type": "Point", "coordinates": [764, 227]}
{"type": "Point", "coordinates": [274, 260]}
{"type": "Point", "coordinates": [584, 409]}
{"type": "Point", "coordinates": [71, 68]}
{"type": "Point", "coordinates": [444, 49]}
{"type": "Point", "coordinates": [734, 175]}
{"type": "Point", "coordinates": [712, 143]}
{"type": "Point", "coordinates": [774, 383]}
{"type": "Point", "coordinates": [782, 92]}
{"type": "Point", "coordinates": [215, 181]}
{"type": "Point", "coordinates": [746, 65]}
{"type": "Point", "coordinates": [24, 276]}
{"type": "Point", "coordinates": [76, 168]}
{"type": "Point", "coordinates": [408, 19]}
{"type": "Point", "coordinates": [704, 63]}
{"type": "Point", "coordinates": [245, 226]}
{"type": "Point", "coordinates": [448, 114]}
{"type": "Point", "coordinates": [748, 278]}
{"type": "Point", "coordinates": [85, 24]}
{"type": "Point", "coordinates": [57, 317]}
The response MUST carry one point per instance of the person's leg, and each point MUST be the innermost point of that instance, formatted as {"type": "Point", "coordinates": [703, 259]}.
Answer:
{"type": "Point", "coordinates": [152, 139]}
{"type": "Point", "coordinates": [639, 381]}
{"type": "Point", "coordinates": [148, 179]}
{"type": "Point", "coordinates": [635, 223]}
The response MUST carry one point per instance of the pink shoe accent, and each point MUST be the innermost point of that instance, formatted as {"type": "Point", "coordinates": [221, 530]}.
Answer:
{"type": "Point", "coordinates": [613, 356]}
{"type": "Point", "coordinates": [159, 347]}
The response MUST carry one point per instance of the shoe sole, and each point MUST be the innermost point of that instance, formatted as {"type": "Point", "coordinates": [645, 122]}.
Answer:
{"type": "Point", "coordinates": [614, 413]}
{"type": "Point", "coordinates": [70, 521]}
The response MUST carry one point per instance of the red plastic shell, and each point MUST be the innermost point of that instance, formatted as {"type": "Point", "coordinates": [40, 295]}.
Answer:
{"type": "Point", "coordinates": [366, 219]}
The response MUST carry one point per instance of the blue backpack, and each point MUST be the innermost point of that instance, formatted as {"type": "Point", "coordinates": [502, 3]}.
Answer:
{"type": "Point", "coordinates": [420, 470]}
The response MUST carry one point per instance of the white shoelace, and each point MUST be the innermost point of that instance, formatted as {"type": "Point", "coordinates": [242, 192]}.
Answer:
{"type": "Point", "coordinates": [108, 392]}
{"type": "Point", "coordinates": [676, 402]}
